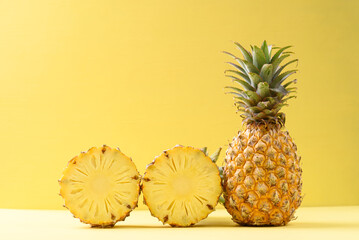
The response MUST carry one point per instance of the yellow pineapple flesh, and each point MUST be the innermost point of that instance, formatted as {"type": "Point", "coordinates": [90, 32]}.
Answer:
{"type": "Point", "coordinates": [181, 186]}
{"type": "Point", "coordinates": [262, 176]}
{"type": "Point", "coordinates": [101, 186]}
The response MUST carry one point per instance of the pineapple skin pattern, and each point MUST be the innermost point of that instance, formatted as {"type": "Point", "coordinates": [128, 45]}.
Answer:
{"type": "Point", "coordinates": [262, 177]}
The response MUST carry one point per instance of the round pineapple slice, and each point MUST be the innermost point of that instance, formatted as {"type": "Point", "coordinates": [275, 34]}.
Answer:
{"type": "Point", "coordinates": [101, 186]}
{"type": "Point", "coordinates": [181, 186]}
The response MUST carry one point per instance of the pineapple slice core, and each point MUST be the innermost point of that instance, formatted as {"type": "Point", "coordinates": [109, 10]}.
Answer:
{"type": "Point", "coordinates": [182, 186]}
{"type": "Point", "coordinates": [100, 187]}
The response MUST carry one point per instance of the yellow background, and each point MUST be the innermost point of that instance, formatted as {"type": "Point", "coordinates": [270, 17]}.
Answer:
{"type": "Point", "coordinates": [147, 75]}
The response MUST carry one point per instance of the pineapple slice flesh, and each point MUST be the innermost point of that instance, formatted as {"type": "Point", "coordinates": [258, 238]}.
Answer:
{"type": "Point", "coordinates": [101, 186]}
{"type": "Point", "coordinates": [181, 186]}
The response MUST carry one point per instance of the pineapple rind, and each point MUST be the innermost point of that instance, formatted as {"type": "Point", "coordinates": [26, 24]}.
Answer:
{"type": "Point", "coordinates": [262, 176]}
{"type": "Point", "coordinates": [179, 207]}
{"type": "Point", "coordinates": [100, 187]}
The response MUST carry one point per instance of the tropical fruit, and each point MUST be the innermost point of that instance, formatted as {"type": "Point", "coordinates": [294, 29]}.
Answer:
{"type": "Point", "coordinates": [181, 186]}
{"type": "Point", "coordinates": [101, 186]}
{"type": "Point", "coordinates": [262, 173]}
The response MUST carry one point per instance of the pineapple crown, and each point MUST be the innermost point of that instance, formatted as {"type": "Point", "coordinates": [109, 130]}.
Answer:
{"type": "Point", "coordinates": [263, 87]}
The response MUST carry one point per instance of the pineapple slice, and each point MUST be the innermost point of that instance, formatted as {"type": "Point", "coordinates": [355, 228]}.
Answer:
{"type": "Point", "coordinates": [181, 186]}
{"type": "Point", "coordinates": [101, 186]}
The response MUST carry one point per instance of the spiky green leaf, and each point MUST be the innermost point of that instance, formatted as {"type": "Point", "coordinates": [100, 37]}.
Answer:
{"type": "Point", "coordinates": [238, 94]}
{"type": "Point", "coordinates": [230, 54]}
{"type": "Point", "coordinates": [248, 66]}
{"type": "Point", "coordinates": [263, 104]}
{"type": "Point", "coordinates": [267, 73]}
{"type": "Point", "coordinates": [271, 101]}
{"type": "Point", "coordinates": [287, 98]}
{"type": "Point", "coordinates": [241, 104]}
{"type": "Point", "coordinates": [247, 102]}
{"type": "Point", "coordinates": [289, 83]}
{"type": "Point", "coordinates": [220, 169]}
{"type": "Point", "coordinates": [255, 79]}
{"type": "Point", "coordinates": [238, 67]}
{"type": "Point", "coordinates": [278, 53]}
{"type": "Point", "coordinates": [258, 57]}
{"type": "Point", "coordinates": [263, 89]}
{"type": "Point", "coordinates": [241, 91]}
{"type": "Point", "coordinates": [215, 155]}
{"type": "Point", "coordinates": [278, 80]}
{"type": "Point", "coordinates": [279, 107]}
{"type": "Point", "coordinates": [244, 76]}
{"type": "Point", "coordinates": [241, 82]}
{"type": "Point", "coordinates": [291, 89]}
{"type": "Point", "coordinates": [280, 90]}
{"type": "Point", "coordinates": [204, 150]}
{"type": "Point", "coordinates": [247, 56]}
{"type": "Point", "coordinates": [269, 112]}
{"type": "Point", "coordinates": [255, 109]}
{"type": "Point", "coordinates": [266, 51]}
{"type": "Point", "coordinates": [279, 70]}
{"type": "Point", "coordinates": [278, 61]}
{"type": "Point", "coordinates": [260, 115]}
{"type": "Point", "coordinates": [253, 96]}
{"type": "Point", "coordinates": [221, 200]}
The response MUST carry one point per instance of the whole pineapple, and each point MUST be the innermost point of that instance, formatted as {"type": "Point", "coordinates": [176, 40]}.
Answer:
{"type": "Point", "coordinates": [262, 174]}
